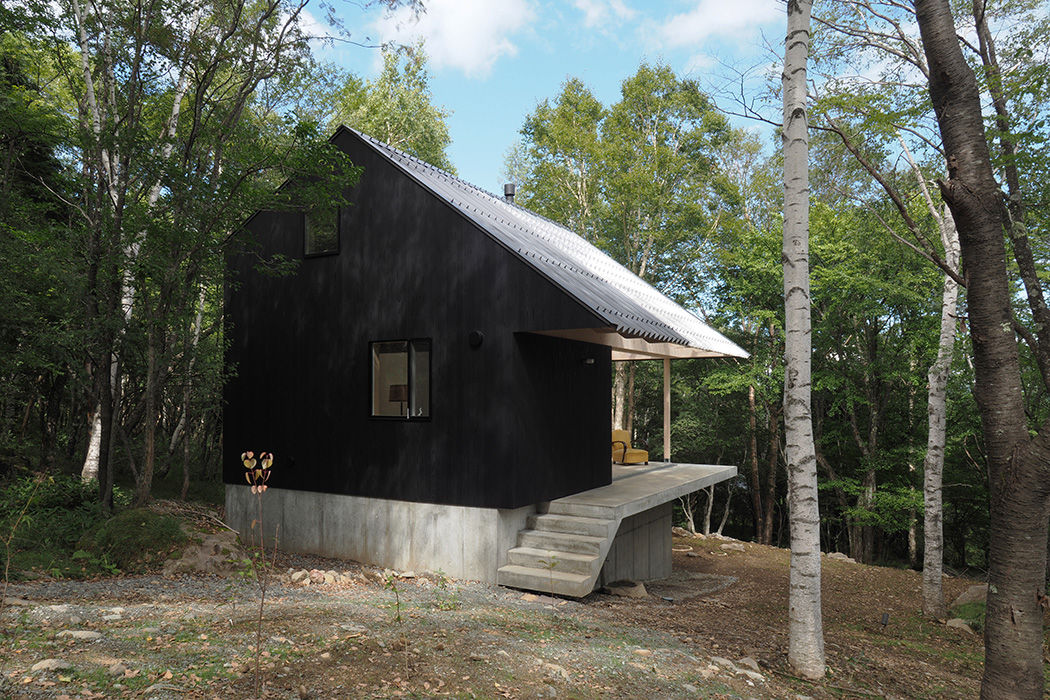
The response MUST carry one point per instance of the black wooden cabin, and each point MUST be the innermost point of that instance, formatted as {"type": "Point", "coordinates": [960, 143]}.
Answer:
{"type": "Point", "coordinates": [435, 344]}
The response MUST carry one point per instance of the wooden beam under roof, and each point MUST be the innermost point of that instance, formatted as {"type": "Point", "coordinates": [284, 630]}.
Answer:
{"type": "Point", "coordinates": [624, 348]}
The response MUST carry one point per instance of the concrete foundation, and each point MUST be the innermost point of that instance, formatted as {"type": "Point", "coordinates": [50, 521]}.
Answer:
{"type": "Point", "coordinates": [469, 543]}
{"type": "Point", "coordinates": [641, 550]}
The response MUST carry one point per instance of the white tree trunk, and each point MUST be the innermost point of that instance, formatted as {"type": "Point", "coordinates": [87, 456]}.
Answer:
{"type": "Point", "coordinates": [806, 634]}
{"type": "Point", "coordinates": [708, 509]}
{"type": "Point", "coordinates": [619, 418]}
{"type": "Point", "coordinates": [688, 502]}
{"type": "Point", "coordinates": [90, 469]}
{"type": "Point", "coordinates": [725, 512]}
{"type": "Point", "coordinates": [933, 466]}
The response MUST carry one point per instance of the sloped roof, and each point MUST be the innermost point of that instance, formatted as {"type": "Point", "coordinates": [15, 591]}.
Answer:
{"type": "Point", "coordinates": [646, 322]}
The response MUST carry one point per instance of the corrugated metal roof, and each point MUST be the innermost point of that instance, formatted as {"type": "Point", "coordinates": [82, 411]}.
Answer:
{"type": "Point", "coordinates": [616, 295]}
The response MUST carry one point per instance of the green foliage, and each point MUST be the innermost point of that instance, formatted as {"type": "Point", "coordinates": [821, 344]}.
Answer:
{"type": "Point", "coordinates": [397, 107]}
{"type": "Point", "coordinates": [641, 178]}
{"type": "Point", "coordinates": [61, 509]}
{"type": "Point", "coordinates": [447, 597]}
{"type": "Point", "coordinates": [973, 613]}
{"type": "Point", "coordinates": [390, 584]}
{"type": "Point", "coordinates": [134, 540]}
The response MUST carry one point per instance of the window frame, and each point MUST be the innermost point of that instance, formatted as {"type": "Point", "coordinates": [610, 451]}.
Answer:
{"type": "Point", "coordinates": [304, 223]}
{"type": "Point", "coordinates": [412, 375]}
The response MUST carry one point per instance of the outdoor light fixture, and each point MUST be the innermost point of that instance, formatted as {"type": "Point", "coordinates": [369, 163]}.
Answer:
{"type": "Point", "coordinates": [588, 360]}
{"type": "Point", "coordinates": [475, 339]}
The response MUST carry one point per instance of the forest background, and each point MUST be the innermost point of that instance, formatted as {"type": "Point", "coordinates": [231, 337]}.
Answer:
{"type": "Point", "coordinates": [135, 138]}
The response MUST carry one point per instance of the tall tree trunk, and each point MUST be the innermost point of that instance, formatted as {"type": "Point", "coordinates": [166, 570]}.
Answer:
{"type": "Point", "coordinates": [933, 604]}
{"type": "Point", "coordinates": [688, 502]}
{"type": "Point", "coordinates": [144, 478]}
{"type": "Point", "coordinates": [629, 418]}
{"type": "Point", "coordinates": [710, 506]}
{"type": "Point", "coordinates": [933, 466]}
{"type": "Point", "coordinates": [754, 480]}
{"type": "Point", "coordinates": [725, 512]}
{"type": "Point", "coordinates": [1017, 465]}
{"type": "Point", "coordinates": [868, 531]}
{"type": "Point", "coordinates": [89, 470]}
{"type": "Point", "coordinates": [806, 634]}
{"type": "Point", "coordinates": [772, 463]}
{"type": "Point", "coordinates": [619, 396]}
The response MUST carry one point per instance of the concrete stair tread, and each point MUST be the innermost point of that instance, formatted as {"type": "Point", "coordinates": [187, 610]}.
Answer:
{"type": "Point", "coordinates": [560, 541]}
{"type": "Point", "coordinates": [564, 536]}
{"type": "Point", "coordinates": [572, 518]}
{"type": "Point", "coordinates": [582, 510]}
{"type": "Point", "coordinates": [559, 556]}
{"type": "Point", "coordinates": [555, 522]}
{"type": "Point", "coordinates": [543, 574]}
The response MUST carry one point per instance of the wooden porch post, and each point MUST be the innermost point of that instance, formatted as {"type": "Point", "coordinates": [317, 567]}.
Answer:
{"type": "Point", "coordinates": [667, 409]}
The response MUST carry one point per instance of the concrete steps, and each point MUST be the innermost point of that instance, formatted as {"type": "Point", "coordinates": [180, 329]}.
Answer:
{"type": "Point", "coordinates": [569, 562]}
{"type": "Point", "coordinates": [554, 522]}
{"type": "Point", "coordinates": [560, 550]}
{"type": "Point", "coordinates": [542, 581]}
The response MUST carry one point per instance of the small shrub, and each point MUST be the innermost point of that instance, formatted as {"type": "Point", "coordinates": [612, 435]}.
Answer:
{"type": "Point", "coordinates": [134, 540]}
{"type": "Point", "coordinates": [973, 613]}
{"type": "Point", "coordinates": [59, 511]}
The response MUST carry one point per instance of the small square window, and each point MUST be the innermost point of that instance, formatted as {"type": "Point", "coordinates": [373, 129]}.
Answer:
{"type": "Point", "coordinates": [401, 379]}
{"type": "Point", "coordinates": [321, 231]}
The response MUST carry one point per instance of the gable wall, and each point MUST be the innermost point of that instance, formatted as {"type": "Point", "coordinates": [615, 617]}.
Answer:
{"type": "Point", "coordinates": [519, 420]}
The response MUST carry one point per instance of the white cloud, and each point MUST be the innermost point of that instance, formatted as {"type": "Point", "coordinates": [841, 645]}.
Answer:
{"type": "Point", "coordinates": [716, 19]}
{"type": "Point", "coordinates": [313, 27]}
{"type": "Point", "coordinates": [698, 63]}
{"type": "Point", "coordinates": [465, 35]}
{"type": "Point", "coordinates": [598, 12]}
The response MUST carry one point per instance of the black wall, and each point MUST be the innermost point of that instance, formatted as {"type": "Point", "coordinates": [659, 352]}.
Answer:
{"type": "Point", "coordinates": [521, 419]}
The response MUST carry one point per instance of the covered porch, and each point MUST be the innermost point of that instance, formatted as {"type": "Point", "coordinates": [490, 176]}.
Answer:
{"type": "Point", "coordinates": [625, 348]}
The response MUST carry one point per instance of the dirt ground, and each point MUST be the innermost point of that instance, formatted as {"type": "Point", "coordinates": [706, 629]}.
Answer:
{"type": "Point", "coordinates": [194, 636]}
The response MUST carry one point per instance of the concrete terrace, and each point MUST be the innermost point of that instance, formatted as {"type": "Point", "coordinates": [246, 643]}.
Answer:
{"type": "Point", "coordinates": [639, 487]}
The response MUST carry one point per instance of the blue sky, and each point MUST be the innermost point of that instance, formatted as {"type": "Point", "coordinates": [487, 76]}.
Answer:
{"type": "Point", "coordinates": [492, 61]}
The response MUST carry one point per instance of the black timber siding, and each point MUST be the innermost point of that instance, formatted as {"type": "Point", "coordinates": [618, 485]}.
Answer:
{"type": "Point", "coordinates": [521, 419]}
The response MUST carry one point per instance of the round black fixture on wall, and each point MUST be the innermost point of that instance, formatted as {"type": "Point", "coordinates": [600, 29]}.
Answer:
{"type": "Point", "coordinates": [475, 339]}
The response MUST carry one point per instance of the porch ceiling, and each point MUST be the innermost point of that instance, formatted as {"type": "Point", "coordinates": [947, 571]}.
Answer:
{"type": "Point", "coordinates": [624, 348]}
{"type": "Point", "coordinates": [637, 488]}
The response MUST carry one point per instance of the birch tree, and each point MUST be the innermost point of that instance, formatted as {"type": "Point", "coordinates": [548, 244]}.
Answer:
{"type": "Point", "coordinates": [937, 399]}
{"type": "Point", "coordinates": [180, 134]}
{"type": "Point", "coordinates": [806, 635]}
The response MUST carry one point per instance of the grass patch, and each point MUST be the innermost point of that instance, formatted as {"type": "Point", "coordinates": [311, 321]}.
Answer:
{"type": "Point", "coordinates": [973, 613]}
{"type": "Point", "coordinates": [135, 540]}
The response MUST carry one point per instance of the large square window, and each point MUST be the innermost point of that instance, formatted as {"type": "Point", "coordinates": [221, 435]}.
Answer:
{"type": "Point", "coordinates": [401, 379]}
{"type": "Point", "coordinates": [321, 231]}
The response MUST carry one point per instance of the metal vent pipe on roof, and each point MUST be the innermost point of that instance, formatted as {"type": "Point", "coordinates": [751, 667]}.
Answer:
{"type": "Point", "coordinates": [508, 192]}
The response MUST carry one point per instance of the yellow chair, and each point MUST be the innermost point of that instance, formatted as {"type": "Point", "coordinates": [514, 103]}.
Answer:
{"type": "Point", "coordinates": [623, 453]}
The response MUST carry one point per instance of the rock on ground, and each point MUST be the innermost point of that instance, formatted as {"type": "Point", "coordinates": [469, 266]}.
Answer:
{"type": "Point", "coordinates": [82, 635]}
{"type": "Point", "coordinates": [218, 553]}
{"type": "Point", "coordinates": [973, 594]}
{"type": "Point", "coordinates": [627, 589]}
{"type": "Point", "coordinates": [51, 665]}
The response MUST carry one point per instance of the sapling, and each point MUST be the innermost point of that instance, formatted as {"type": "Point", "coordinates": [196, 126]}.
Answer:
{"type": "Point", "coordinates": [550, 563]}
{"type": "Point", "coordinates": [257, 473]}
{"type": "Point", "coordinates": [391, 584]}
